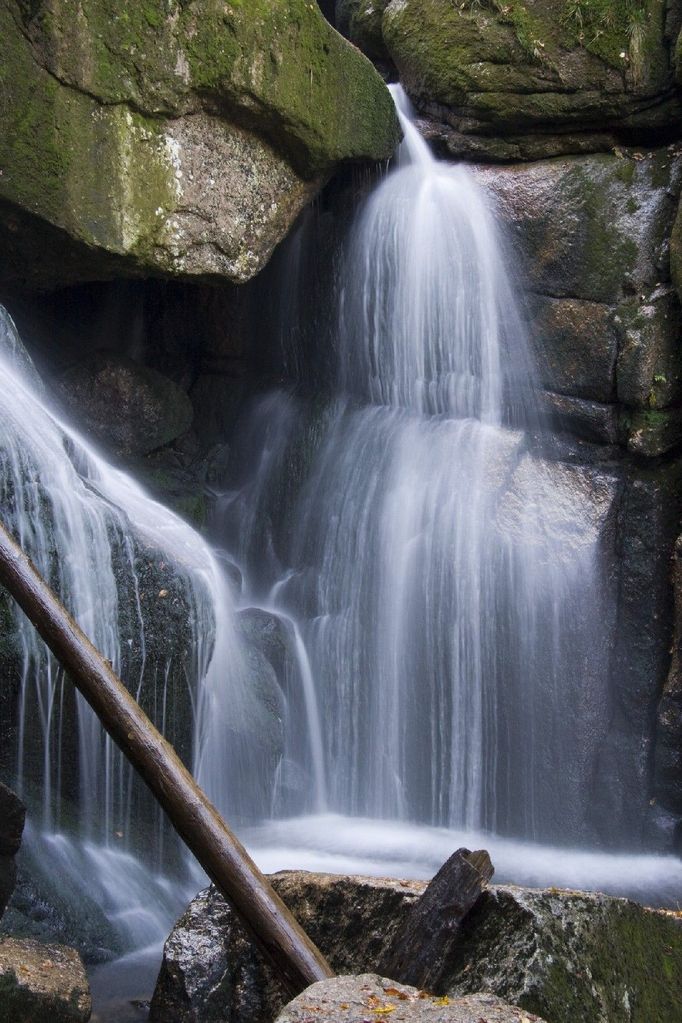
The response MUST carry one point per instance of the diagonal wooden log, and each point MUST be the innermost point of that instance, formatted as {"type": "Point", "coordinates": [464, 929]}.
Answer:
{"type": "Point", "coordinates": [420, 952]}
{"type": "Point", "coordinates": [296, 959]}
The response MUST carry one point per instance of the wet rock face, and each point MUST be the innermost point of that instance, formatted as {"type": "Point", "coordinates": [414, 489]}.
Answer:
{"type": "Point", "coordinates": [211, 971]}
{"type": "Point", "coordinates": [346, 999]}
{"type": "Point", "coordinates": [534, 78]}
{"type": "Point", "coordinates": [566, 956]}
{"type": "Point", "coordinates": [42, 983]}
{"type": "Point", "coordinates": [669, 744]}
{"type": "Point", "coordinates": [591, 234]}
{"type": "Point", "coordinates": [12, 817]}
{"type": "Point", "coordinates": [129, 407]}
{"type": "Point", "coordinates": [676, 252]}
{"type": "Point", "coordinates": [593, 227]}
{"type": "Point", "coordinates": [179, 138]}
{"type": "Point", "coordinates": [647, 525]}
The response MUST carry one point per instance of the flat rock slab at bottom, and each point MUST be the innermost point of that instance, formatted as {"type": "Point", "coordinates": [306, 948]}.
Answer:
{"type": "Point", "coordinates": [42, 983]}
{"type": "Point", "coordinates": [366, 998]}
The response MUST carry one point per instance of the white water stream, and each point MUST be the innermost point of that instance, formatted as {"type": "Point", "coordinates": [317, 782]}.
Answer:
{"type": "Point", "coordinates": [92, 533]}
{"type": "Point", "coordinates": [444, 572]}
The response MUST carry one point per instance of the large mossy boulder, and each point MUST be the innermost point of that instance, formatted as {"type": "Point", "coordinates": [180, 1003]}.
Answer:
{"type": "Point", "coordinates": [171, 137]}
{"type": "Point", "coordinates": [566, 956]}
{"type": "Point", "coordinates": [527, 78]}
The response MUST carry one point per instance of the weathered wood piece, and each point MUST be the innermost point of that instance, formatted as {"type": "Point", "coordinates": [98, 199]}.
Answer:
{"type": "Point", "coordinates": [196, 820]}
{"type": "Point", "coordinates": [419, 953]}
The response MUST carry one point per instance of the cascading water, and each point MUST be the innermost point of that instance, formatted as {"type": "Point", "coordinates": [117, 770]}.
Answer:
{"type": "Point", "coordinates": [436, 568]}
{"type": "Point", "coordinates": [134, 575]}
{"type": "Point", "coordinates": [444, 571]}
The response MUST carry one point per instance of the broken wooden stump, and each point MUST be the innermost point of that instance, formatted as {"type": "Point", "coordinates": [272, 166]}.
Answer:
{"type": "Point", "coordinates": [418, 954]}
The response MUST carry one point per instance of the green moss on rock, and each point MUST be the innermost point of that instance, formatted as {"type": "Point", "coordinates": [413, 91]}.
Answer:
{"type": "Point", "coordinates": [653, 432]}
{"type": "Point", "coordinates": [618, 31]}
{"type": "Point", "coordinates": [279, 64]}
{"type": "Point", "coordinates": [99, 172]}
{"type": "Point", "coordinates": [117, 120]}
{"type": "Point", "coordinates": [513, 65]}
{"type": "Point", "coordinates": [117, 52]}
{"type": "Point", "coordinates": [313, 94]}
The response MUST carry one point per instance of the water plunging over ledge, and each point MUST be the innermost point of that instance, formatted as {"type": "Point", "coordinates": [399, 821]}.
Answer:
{"type": "Point", "coordinates": [444, 569]}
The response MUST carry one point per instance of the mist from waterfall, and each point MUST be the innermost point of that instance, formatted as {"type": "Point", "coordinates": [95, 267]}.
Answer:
{"type": "Point", "coordinates": [443, 570]}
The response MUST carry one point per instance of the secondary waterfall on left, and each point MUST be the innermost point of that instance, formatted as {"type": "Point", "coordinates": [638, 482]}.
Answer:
{"type": "Point", "coordinates": [150, 595]}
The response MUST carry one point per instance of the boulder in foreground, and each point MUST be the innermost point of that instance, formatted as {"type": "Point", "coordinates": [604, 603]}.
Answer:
{"type": "Point", "coordinates": [566, 956]}
{"type": "Point", "coordinates": [348, 999]}
{"type": "Point", "coordinates": [42, 983]}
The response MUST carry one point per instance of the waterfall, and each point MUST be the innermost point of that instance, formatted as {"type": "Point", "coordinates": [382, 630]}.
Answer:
{"type": "Point", "coordinates": [442, 564]}
{"type": "Point", "coordinates": [149, 593]}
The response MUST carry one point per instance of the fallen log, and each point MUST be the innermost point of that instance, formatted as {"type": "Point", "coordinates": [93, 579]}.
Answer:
{"type": "Point", "coordinates": [420, 952]}
{"type": "Point", "coordinates": [196, 820]}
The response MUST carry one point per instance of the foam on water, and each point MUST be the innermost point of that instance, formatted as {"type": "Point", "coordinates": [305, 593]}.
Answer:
{"type": "Point", "coordinates": [331, 843]}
